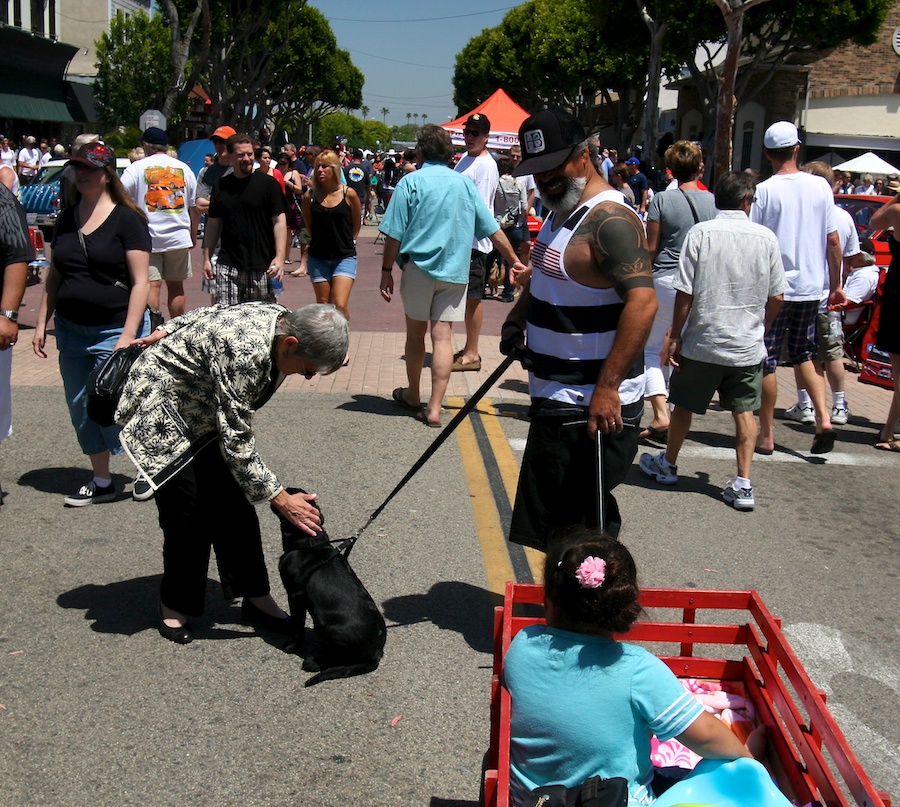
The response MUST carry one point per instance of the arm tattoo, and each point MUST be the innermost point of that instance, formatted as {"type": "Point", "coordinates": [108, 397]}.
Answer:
{"type": "Point", "coordinates": [616, 236]}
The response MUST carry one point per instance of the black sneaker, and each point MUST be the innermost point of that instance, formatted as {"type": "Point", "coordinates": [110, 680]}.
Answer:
{"type": "Point", "coordinates": [91, 494]}
{"type": "Point", "coordinates": [141, 491]}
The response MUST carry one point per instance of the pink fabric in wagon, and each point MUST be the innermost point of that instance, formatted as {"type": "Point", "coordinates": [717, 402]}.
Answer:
{"type": "Point", "coordinates": [725, 701]}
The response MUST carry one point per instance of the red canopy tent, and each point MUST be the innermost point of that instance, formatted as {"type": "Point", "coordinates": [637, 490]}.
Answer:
{"type": "Point", "coordinates": [505, 116]}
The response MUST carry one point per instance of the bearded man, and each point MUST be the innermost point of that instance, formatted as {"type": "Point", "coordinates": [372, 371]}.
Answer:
{"type": "Point", "coordinates": [587, 311]}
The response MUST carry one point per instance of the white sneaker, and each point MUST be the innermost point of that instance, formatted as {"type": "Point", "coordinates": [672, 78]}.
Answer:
{"type": "Point", "coordinates": [801, 414]}
{"type": "Point", "coordinates": [741, 499]}
{"type": "Point", "coordinates": [656, 467]}
{"type": "Point", "coordinates": [840, 415]}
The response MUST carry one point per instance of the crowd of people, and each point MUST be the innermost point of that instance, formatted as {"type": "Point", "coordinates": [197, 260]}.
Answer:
{"type": "Point", "coordinates": [625, 295]}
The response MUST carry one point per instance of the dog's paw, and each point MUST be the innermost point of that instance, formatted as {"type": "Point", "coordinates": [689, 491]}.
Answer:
{"type": "Point", "coordinates": [310, 664]}
{"type": "Point", "coordinates": [292, 646]}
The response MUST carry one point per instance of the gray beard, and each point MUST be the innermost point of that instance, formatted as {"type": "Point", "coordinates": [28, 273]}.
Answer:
{"type": "Point", "coordinates": [565, 202]}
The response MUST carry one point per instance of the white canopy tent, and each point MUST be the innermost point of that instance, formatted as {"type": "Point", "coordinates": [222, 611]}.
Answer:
{"type": "Point", "coordinates": [868, 163]}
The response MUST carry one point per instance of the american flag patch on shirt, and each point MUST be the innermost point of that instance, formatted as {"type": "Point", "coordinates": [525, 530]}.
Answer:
{"type": "Point", "coordinates": [548, 261]}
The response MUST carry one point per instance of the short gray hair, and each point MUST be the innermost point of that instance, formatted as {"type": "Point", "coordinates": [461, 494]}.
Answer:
{"type": "Point", "coordinates": [323, 333]}
{"type": "Point", "coordinates": [732, 188]}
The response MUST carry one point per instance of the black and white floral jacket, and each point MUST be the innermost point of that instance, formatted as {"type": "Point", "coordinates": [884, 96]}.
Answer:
{"type": "Point", "coordinates": [201, 384]}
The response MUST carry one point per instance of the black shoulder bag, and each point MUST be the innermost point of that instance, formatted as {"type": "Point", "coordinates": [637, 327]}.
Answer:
{"type": "Point", "coordinates": [595, 792]}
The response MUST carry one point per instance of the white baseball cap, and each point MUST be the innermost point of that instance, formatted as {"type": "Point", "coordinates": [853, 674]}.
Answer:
{"type": "Point", "coordinates": [780, 135]}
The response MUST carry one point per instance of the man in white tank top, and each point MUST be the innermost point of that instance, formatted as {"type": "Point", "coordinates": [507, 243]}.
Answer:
{"type": "Point", "coordinates": [587, 311]}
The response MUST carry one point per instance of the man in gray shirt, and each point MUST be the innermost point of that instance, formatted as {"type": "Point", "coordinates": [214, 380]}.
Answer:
{"type": "Point", "coordinates": [729, 287]}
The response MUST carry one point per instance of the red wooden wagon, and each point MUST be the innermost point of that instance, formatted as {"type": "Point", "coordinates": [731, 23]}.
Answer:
{"type": "Point", "coordinates": [725, 636]}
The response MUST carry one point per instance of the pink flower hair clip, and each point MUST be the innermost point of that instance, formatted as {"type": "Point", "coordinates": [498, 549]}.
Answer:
{"type": "Point", "coordinates": [591, 573]}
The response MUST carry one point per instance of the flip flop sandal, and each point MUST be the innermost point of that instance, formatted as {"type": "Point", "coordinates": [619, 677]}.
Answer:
{"type": "Point", "coordinates": [459, 366]}
{"type": "Point", "coordinates": [420, 416]}
{"type": "Point", "coordinates": [654, 433]}
{"type": "Point", "coordinates": [397, 395]}
{"type": "Point", "coordinates": [823, 442]}
{"type": "Point", "coordinates": [888, 445]}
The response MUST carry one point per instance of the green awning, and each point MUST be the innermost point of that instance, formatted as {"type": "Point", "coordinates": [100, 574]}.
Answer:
{"type": "Point", "coordinates": [32, 77]}
{"type": "Point", "coordinates": [26, 107]}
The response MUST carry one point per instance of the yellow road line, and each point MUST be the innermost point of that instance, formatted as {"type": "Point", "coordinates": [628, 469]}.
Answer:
{"type": "Point", "coordinates": [509, 470]}
{"type": "Point", "coordinates": [497, 566]}
{"type": "Point", "coordinates": [487, 521]}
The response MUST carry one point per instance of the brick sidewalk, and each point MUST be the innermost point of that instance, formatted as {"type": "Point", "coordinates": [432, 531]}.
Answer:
{"type": "Point", "coordinates": [376, 368]}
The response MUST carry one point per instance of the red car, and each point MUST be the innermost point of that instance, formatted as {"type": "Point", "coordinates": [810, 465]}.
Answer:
{"type": "Point", "coordinates": [862, 208]}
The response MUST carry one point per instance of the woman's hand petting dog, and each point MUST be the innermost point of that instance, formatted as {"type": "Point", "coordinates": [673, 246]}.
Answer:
{"type": "Point", "coordinates": [297, 509]}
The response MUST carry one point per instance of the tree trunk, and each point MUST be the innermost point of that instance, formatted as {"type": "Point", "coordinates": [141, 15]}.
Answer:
{"type": "Point", "coordinates": [182, 84]}
{"type": "Point", "coordinates": [725, 105]}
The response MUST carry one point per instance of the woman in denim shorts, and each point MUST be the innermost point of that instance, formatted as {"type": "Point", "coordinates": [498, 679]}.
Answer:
{"type": "Point", "coordinates": [333, 215]}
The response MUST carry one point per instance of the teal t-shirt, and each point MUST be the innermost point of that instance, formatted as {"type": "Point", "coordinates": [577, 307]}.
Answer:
{"type": "Point", "coordinates": [435, 214]}
{"type": "Point", "coordinates": [587, 706]}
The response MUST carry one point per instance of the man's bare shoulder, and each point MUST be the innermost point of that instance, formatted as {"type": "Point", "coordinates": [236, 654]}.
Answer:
{"type": "Point", "coordinates": [616, 237]}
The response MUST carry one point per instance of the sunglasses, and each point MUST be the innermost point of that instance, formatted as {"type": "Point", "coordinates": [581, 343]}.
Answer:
{"type": "Point", "coordinates": [471, 132]}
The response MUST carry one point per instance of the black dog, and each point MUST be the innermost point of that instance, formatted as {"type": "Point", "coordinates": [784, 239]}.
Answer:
{"type": "Point", "coordinates": [318, 579]}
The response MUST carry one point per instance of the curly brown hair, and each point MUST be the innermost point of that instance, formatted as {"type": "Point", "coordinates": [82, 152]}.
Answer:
{"type": "Point", "coordinates": [611, 608]}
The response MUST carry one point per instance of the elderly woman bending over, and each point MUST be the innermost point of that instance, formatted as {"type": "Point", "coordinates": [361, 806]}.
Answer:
{"type": "Point", "coordinates": [187, 413]}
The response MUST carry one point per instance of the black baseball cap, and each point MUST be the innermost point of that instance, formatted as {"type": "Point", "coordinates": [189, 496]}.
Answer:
{"type": "Point", "coordinates": [155, 137]}
{"type": "Point", "coordinates": [479, 122]}
{"type": "Point", "coordinates": [548, 140]}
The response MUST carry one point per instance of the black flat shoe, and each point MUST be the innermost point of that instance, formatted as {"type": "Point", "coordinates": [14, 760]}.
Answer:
{"type": "Point", "coordinates": [182, 635]}
{"type": "Point", "coordinates": [260, 619]}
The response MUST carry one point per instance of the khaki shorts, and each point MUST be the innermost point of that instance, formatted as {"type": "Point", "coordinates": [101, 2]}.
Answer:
{"type": "Point", "coordinates": [426, 299]}
{"type": "Point", "coordinates": [693, 385]}
{"type": "Point", "coordinates": [172, 265]}
{"type": "Point", "coordinates": [828, 347]}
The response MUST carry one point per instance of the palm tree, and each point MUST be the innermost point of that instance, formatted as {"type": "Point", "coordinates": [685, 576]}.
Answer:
{"type": "Point", "coordinates": [408, 116]}
{"type": "Point", "coordinates": [365, 111]}
{"type": "Point", "coordinates": [416, 118]}
{"type": "Point", "coordinates": [384, 114]}
{"type": "Point", "coordinates": [424, 118]}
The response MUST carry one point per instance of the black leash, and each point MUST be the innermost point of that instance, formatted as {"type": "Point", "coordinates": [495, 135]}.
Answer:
{"type": "Point", "coordinates": [347, 544]}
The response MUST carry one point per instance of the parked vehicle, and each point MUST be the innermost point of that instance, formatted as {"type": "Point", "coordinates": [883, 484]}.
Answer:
{"type": "Point", "coordinates": [862, 208]}
{"type": "Point", "coordinates": [40, 263]}
{"type": "Point", "coordinates": [40, 199]}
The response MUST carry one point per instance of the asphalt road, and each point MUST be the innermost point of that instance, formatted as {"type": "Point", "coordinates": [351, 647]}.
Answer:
{"type": "Point", "coordinates": [96, 709]}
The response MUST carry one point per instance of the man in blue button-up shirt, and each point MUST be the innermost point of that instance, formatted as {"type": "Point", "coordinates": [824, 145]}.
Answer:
{"type": "Point", "coordinates": [434, 215]}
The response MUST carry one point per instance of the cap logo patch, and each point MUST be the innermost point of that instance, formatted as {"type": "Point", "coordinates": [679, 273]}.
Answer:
{"type": "Point", "coordinates": [534, 142]}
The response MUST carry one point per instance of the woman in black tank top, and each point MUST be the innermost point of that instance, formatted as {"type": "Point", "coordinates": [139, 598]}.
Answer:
{"type": "Point", "coordinates": [333, 215]}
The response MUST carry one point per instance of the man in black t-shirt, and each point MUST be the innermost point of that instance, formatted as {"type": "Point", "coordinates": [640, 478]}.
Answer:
{"type": "Point", "coordinates": [15, 253]}
{"type": "Point", "coordinates": [247, 211]}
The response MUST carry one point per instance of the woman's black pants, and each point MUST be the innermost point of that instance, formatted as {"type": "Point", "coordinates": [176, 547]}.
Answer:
{"type": "Point", "coordinates": [201, 507]}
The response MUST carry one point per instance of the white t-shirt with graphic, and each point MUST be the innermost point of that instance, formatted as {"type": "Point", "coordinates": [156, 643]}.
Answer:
{"type": "Point", "coordinates": [165, 189]}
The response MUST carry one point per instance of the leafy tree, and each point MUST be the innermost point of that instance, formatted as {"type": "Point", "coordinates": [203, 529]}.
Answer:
{"type": "Point", "coordinates": [375, 134]}
{"type": "Point", "coordinates": [406, 133]}
{"type": "Point", "coordinates": [559, 54]}
{"type": "Point", "coordinates": [188, 50]}
{"type": "Point", "coordinates": [132, 70]}
{"type": "Point", "coordinates": [338, 124]}
{"type": "Point", "coordinates": [122, 139]}
{"type": "Point", "coordinates": [312, 77]}
{"type": "Point", "coordinates": [778, 32]}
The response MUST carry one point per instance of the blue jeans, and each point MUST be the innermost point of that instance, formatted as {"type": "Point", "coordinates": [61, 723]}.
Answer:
{"type": "Point", "coordinates": [81, 349]}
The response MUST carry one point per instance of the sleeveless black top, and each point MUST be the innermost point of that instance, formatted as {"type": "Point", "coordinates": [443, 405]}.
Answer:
{"type": "Point", "coordinates": [332, 230]}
